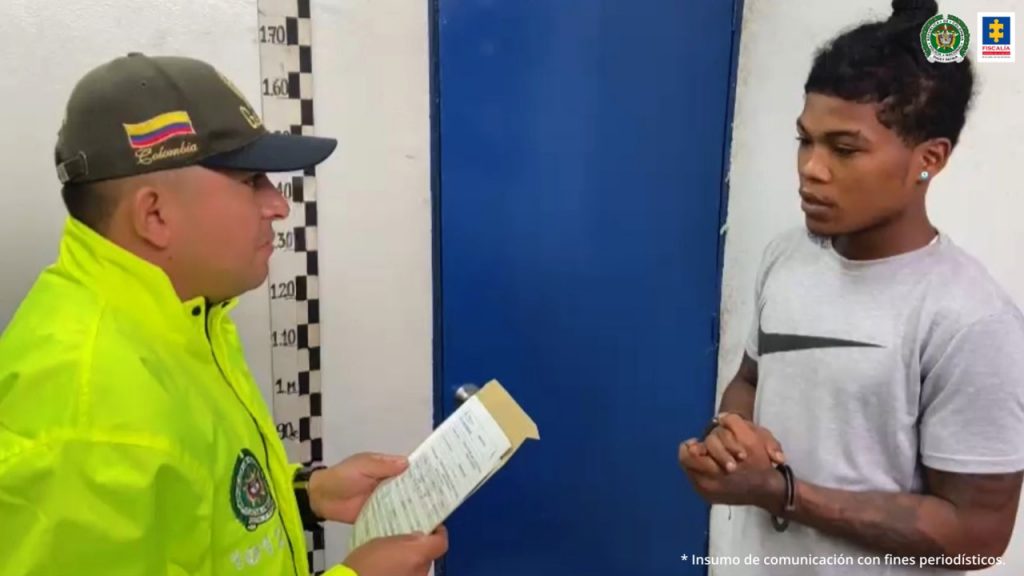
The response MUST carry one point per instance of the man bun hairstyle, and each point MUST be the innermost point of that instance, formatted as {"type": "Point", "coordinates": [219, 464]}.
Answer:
{"type": "Point", "coordinates": [883, 62]}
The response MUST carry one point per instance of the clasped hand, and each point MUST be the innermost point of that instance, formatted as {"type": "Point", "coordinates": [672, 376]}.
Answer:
{"type": "Point", "coordinates": [735, 464]}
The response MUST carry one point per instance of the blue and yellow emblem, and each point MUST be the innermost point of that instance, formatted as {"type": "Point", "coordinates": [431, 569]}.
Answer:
{"type": "Point", "coordinates": [997, 37]}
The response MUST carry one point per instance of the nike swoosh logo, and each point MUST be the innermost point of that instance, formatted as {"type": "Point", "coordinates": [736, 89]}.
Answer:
{"type": "Point", "coordinates": [769, 343]}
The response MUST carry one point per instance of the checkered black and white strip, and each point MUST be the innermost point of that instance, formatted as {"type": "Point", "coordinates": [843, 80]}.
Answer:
{"type": "Point", "coordinates": [285, 37]}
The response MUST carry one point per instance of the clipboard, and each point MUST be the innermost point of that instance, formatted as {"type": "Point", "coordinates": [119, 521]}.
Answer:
{"type": "Point", "coordinates": [514, 423]}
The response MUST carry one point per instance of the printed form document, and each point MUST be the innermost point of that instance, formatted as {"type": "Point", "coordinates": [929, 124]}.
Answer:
{"type": "Point", "coordinates": [452, 463]}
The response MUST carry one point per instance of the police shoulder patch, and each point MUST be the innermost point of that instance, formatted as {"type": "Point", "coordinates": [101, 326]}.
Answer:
{"type": "Point", "coordinates": [251, 499]}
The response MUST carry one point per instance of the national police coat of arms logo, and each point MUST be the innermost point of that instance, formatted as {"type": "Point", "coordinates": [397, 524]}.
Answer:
{"type": "Point", "coordinates": [945, 38]}
{"type": "Point", "coordinates": [251, 499]}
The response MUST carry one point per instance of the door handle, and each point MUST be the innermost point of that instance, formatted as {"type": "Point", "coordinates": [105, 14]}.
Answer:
{"type": "Point", "coordinates": [465, 392]}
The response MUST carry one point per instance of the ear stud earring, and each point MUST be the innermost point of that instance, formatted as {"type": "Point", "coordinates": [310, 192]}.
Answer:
{"type": "Point", "coordinates": [924, 175]}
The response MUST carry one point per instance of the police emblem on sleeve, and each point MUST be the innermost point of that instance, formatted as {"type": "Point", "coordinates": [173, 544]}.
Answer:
{"type": "Point", "coordinates": [250, 493]}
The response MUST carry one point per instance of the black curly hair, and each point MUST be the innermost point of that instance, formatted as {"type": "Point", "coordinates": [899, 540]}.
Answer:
{"type": "Point", "coordinates": [883, 63]}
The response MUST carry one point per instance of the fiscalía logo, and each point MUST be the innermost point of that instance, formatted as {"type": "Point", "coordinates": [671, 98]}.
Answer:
{"type": "Point", "coordinates": [945, 39]}
{"type": "Point", "coordinates": [997, 37]}
{"type": "Point", "coordinates": [250, 494]}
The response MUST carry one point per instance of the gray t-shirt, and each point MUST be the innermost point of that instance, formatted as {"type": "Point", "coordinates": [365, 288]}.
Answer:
{"type": "Point", "coordinates": [869, 370]}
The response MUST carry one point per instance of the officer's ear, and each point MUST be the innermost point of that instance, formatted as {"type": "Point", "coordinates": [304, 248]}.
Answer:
{"type": "Point", "coordinates": [151, 205]}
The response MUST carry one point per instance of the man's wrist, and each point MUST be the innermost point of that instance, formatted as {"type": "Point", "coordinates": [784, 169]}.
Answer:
{"type": "Point", "coordinates": [302, 484]}
{"type": "Point", "coordinates": [716, 420]}
{"type": "Point", "coordinates": [727, 409]}
{"type": "Point", "coordinates": [774, 493]}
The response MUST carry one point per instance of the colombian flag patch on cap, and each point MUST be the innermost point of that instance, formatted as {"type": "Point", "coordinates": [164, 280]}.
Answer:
{"type": "Point", "coordinates": [159, 129]}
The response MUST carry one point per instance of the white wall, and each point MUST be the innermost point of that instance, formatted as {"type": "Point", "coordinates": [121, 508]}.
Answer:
{"type": "Point", "coordinates": [371, 71]}
{"type": "Point", "coordinates": [371, 62]}
{"type": "Point", "coordinates": [976, 200]}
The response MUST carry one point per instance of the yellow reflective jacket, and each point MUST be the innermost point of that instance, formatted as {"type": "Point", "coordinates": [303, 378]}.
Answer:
{"type": "Point", "coordinates": [133, 439]}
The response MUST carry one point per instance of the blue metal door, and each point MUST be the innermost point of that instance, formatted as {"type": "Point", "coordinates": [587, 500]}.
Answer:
{"type": "Point", "coordinates": [579, 159]}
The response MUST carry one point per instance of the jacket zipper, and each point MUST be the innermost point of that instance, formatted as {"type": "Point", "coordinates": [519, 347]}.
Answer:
{"type": "Point", "coordinates": [255, 423]}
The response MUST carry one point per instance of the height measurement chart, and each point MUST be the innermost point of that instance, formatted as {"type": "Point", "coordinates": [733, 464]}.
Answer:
{"type": "Point", "coordinates": [286, 88]}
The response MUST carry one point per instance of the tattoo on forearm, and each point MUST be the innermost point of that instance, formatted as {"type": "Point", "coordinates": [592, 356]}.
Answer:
{"type": "Point", "coordinates": [959, 514]}
{"type": "Point", "coordinates": [885, 522]}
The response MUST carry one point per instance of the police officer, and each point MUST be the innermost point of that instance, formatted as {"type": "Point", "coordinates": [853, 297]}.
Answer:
{"type": "Point", "coordinates": [133, 439]}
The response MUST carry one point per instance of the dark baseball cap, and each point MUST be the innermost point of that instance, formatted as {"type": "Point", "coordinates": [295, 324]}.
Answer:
{"type": "Point", "coordinates": [139, 114]}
